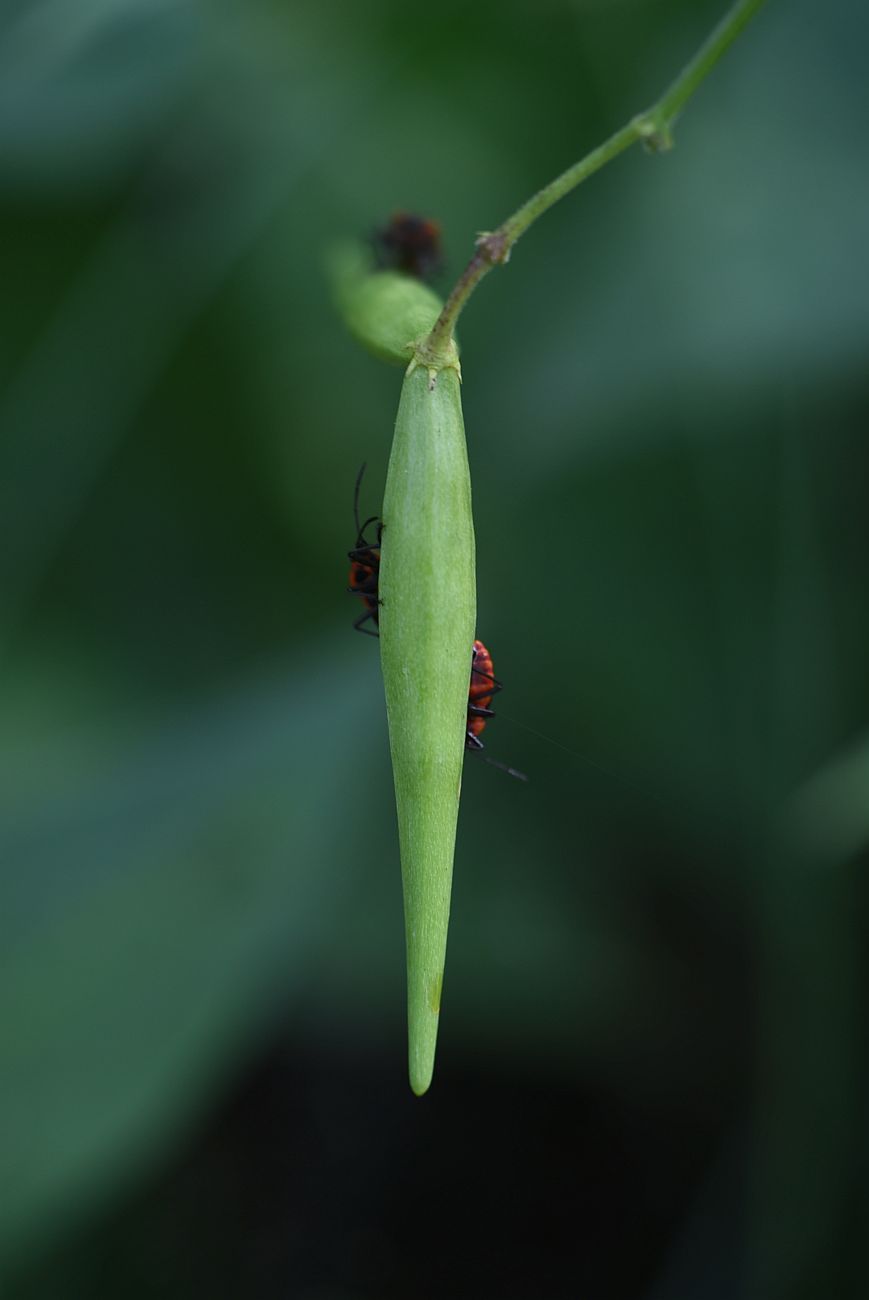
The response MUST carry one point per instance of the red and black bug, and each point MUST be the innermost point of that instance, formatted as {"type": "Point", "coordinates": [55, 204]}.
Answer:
{"type": "Point", "coordinates": [483, 686]}
{"type": "Point", "coordinates": [365, 566]}
{"type": "Point", "coordinates": [410, 244]}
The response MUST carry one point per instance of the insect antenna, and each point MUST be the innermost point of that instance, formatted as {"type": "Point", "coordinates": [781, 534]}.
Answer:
{"type": "Point", "coordinates": [511, 771]}
{"type": "Point", "coordinates": [609, 772]}
{"type": "Point", "coordinates": [356, 499]}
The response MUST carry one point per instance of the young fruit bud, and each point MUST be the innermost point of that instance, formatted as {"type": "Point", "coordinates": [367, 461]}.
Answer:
{"type": "Point", "coordinates": [385, 310]}
{"type": "Point", "coordinates": [427, 620]}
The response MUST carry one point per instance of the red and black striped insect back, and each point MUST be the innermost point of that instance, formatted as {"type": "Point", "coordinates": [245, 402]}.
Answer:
{"type": "Point", "coordinates": [410, 244]}
{"type": "Point", "coordinates": [365, 566]}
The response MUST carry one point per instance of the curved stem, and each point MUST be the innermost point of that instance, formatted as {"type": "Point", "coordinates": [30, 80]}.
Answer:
{"type": "Point", "coordinates": [654, 128]}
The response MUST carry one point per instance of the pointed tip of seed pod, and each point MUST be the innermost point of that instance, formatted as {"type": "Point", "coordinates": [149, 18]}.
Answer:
{"type": "Point", "coordinates": [420, 1086]}
{"type": "Point", "coordinates": [424, 1005]}
{"type": "Point", "coordinates": [421, 1056]}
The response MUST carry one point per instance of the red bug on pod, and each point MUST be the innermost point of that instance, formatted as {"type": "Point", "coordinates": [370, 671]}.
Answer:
{"type": "Point", "coordinates": [365, 566]}
{"type": "Point", "coordinates": [483, 686]}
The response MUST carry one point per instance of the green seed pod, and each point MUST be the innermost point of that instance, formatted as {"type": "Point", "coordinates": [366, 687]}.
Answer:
{"type": "Point", "coordinates": [385, 310]}
{"type": "Point", "coordinates": [427, 621]}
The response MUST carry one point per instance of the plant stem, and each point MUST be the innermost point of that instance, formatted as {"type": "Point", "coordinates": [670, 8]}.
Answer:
{"type": "Point", "coordinates": [654, 128]}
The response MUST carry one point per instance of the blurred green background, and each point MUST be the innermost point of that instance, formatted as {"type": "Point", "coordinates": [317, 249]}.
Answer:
{"type": "Point", "coordinates": [652, 1069]}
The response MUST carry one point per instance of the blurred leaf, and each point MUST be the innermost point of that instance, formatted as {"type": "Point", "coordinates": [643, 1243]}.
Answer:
{"type": "Point", "coordinates": [827, 819]}
{"type": "Point", "coordinates": [82, 86]}
{"type": "Point", "coordinates": [155, 920]}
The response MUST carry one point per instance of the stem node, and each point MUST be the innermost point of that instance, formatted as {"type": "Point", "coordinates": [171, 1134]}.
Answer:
{"type": "Point", "coordinates": [494, 247]}
{"type": "Point", "coordinates": [655, 132]}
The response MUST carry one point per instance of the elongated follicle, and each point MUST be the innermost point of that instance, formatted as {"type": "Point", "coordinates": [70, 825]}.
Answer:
{"type": "Point", "coordinates": [427, 618]}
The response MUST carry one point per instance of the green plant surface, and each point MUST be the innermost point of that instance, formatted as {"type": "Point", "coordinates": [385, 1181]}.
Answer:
{"type": "Point", "coordinates": [386, 311]}
{"type": "Point", "coordinates": [427, 627]}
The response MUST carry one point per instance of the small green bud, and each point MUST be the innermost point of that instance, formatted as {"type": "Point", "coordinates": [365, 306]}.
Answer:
{"type": "Point", "coordinates": [385, 310]}
{"type": "Point", "coordinates": [427, 620]}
